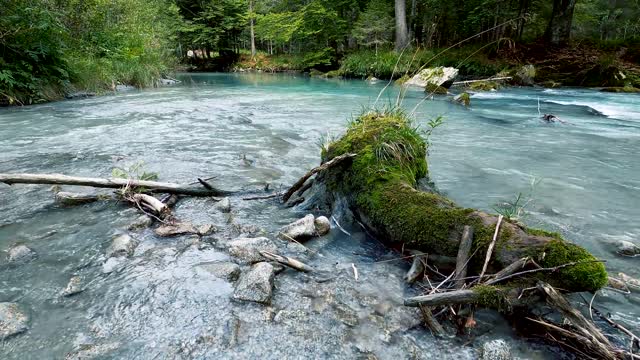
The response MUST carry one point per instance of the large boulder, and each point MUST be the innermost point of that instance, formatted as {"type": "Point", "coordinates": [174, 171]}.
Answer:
{"type": "Point", "coordinates": [20, 253]}
{"type": "Point", "coordinates": [12, 320]}
{"type": "Point", "coordinates": [256, 285]}
{"type": "Point", "coordinates": [437, 76]}
{"type": "Point", "coordinates": [525, 75]}
{"type": "Point", "coordinates": [247, 250]}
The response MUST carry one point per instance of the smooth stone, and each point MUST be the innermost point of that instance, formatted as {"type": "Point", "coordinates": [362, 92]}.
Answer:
{"type": "Point", "coordinates": [13, 320]}
{"type": "Point", "coordinates": [224, 205]}
{"type": "Point", "coordinates": [300, 229]}
{"type": "Point", "coordinates": [627, 248]}
{"type": "Point", "coordinates": [322, 225]}
{"type": "Point", "coordinates": [73, 287]}
{"type": "Point", "coordinates": [20, 254]}
{"type": "Point", "coordinates": [223, 270]}
{"type": "Point", "coordinates": [248, 250]}
{"type": "Point", "coordinates": [438, 76]}
{"type": "Point", "coordinates": [121, 245]}
{"type": "Point", "coordinates": [184, 228]}
{"type": "Point", "coordinates": [256, 284]}
{"type": "Point", "coordinates": [496, 350]}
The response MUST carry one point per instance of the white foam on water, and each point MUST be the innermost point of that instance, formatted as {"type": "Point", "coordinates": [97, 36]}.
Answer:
{"type": "Point", "coordinates": [616, 111]}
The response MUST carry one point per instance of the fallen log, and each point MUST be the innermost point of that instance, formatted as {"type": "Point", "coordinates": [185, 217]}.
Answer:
{"type": "Point", "coordinates": [466, 82]}
{"type": "Point", "coordinates": [113, 183]}
{"type": "Point", "coordinates": [285, 260]}
{"type": "Point", "coordinates": [380, 187]}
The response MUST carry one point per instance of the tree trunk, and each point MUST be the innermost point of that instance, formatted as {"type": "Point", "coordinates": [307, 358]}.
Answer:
{"type": "Point", "coordinates": [402, 38]}
{"type": "Point", "coordinates": [114, 183]}
{"type": "Point", "coordinates": [253, 35]}
{"type": "Point", "coordinates": [379, 186]}
{"type": "Point", "coordinates": [559, 28]}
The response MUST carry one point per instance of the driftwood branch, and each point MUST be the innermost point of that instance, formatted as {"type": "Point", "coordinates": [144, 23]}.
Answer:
{"type": "Point", "coordinates": [550, 269]}
{"type": "Point", "coordinates": [490, 249]}
{"type": "Point", "coordinates": [325, 166]}
{"type": "Point", "coordinates": [113, 183]}
{"type": "Point", "coordinates": [481, 80]}
{"type": "Point", "coordinates": [445, 298]}
{"type": "Point", "coordinates": [431, 322]}
{"type": "Point", "coordinates": [463, 255]}
{"type": "Point", "coordinates": [285, 260]}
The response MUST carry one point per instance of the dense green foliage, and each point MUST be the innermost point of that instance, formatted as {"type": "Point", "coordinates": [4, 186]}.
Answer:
{"type": "Point", "coordinates": [48, 48]}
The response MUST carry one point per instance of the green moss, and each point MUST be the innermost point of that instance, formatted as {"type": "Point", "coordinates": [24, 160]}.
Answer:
{"type": "Point", "coordinates": [540, 232]}
{"type": "Point", "coordinates": [435, 89]}
{"type": "Point", "coordinates": [403, 79]}
{"type": "Point", "coordinates": [484, 86]}
{"type": "Point", "coordinates": [463, 98]}
{"type": "Point", "coordinates": [381, 182]}
{"type": "Point", "coordinates": [587, 275]}
{"type": "Point", "coordinates": [621, 89]}
{"type": "Point", "coordinates": [490, 297]}
{"type": "Point", "coordinates": [334, 74]}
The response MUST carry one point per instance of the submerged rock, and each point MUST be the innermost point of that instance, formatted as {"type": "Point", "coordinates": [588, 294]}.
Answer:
{"type": "Point", "coordinates": [248, 250]}
{"type": "Point", "coordinates": [121, 245]}
{"type": "Point", "coordinates": [496, 350]}
{"type": "Point", "coordinates": [73, 287]}
{"type": "Point", "coordinates": [431, 89]}
{"type": "Point", "coordinates": [223, 270]}
{"type": "Point", "coordinates": [184, 228]}
{"type": "Point", "coordinates": [484, 86]}
{"type": "Point", "coordinates": [20, 253]}
{"type": "Point", "coordinates": [13, 320]}
{"type": "Point", "coordinates": [91, 351]}
{"type": "Point", "coordinates": [627, 248]}
{"type": "Point", "coordinates": [438, 76]}
{"type": "Point", "coordinates": [256, 285]}
{"type": "Point", "coordinates": [463, 99]}
{"type": "Point", "coordinates": [307, 227]}
{"type": "Point", "coordinates": [224, 205]}
{"type": "Point", "coordinates": [141, 222]}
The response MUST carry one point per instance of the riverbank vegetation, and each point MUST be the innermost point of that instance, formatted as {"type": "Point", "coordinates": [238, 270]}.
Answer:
{"type": "Point", "coordinates": [49, 49]}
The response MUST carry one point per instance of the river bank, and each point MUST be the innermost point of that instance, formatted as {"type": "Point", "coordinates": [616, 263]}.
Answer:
{"type": "Point", "coordinates": [576, 65]}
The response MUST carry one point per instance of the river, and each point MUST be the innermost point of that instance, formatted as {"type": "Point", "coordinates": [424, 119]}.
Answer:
{"type": "Point", "coordinates": [249, 130]}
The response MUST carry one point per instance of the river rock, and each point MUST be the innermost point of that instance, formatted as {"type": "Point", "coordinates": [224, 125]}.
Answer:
{"type": "Point", "coordinates": [307, 227]}
{"type": "Point", "coordinates": [121, 245]}
{"type": "Point", "coordinates": [183, 228]}
{"type": "Point", "coordinates": [91, 351]}
{"type": "Point", "coordinates": [224, 205]}
{"type": "Point", "coordinates": [525, 75]}
{"type": "Point", "coordinates": [223, 270]}
{"type": "Point", "coordinates": [124, 88]}
{"type": "Point", "coordinates": [73, 287]}
{"type": "Point", "coordinates": [438, 76]}
{"type": "Point", "coordinates": [168, 82]}
{"type": "Point", "coordinates": [496, 350]}
{"type": "Point", "coordinates": [463, 99]}
{"type": "Point", "coordinates": [248, 250]}
{"type": "Point", "coordinates": [256, 284]}
{"type": "Point", "coordinates": [140, 222]}
{"type": "Point", "coordinates": [627, 248]}
{"type": "Point", "coordinates": [13, 320]}
{"type": "Point", "coordinates": [20, 253]}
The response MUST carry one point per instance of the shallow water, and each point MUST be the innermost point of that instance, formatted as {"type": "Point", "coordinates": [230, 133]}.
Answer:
{"type": "Point", "coordinates": [249, 130]}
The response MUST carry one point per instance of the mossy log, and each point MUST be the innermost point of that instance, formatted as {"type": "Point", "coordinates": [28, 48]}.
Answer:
{"type": "Point", "coordinates": [380, 186]}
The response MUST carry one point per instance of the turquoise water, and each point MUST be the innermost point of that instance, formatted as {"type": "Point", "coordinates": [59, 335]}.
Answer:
{"type": "Point", "coordinates": [587, 171]}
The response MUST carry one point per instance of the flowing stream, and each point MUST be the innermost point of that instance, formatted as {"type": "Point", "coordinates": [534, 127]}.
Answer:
{"type": "Point", "coordinates": [250, 130]}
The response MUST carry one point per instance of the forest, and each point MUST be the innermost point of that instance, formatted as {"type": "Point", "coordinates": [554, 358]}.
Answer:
{"type": "Point", "coordinates": [50, 48]}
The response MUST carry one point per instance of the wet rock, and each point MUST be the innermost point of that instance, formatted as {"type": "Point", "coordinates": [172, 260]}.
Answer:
{"type": "Point", "coordinates": [143, 221]}
{"type": "Point", "coordinates": [431, 89]}
{"type": "Point", "coordinates": [224, 205]}
{"type": "Point", "coordinates": [124, 88]}
{"type": "Point", "coordinates": [463, 99]}
{"type": "Point", "coordinates": [322, 225]}
{"type": "Point", "coordinates": [79, 95]}
{"type": "Point", "coordinates": [496, 350]}
{"type": "Point", "coordinates": [168, 82]}
{"type": "Point", "coordinates": [73, 287]}
{"type": "Point", "coordinates": [484, 86]}
{"type": "Point", "coordinates": [13, 320]}
{"type": "Point", "coordinates": [345, 314]}
{"type": "Point", "coordinates": [248, 250]}
{"type": "Point", "coordinates": [307, 227]}
{"type": "Point", "coordinates": [183, 228]}
{"type": "Point", "coordinates": [121, 245]}
{"type": "Point", "coordinates": [256, 285]}
{"type": "Point", "coordinates": [525, 75]}
{"type": "Point", "coordinates": [223, 270]}
{"type": "Point", "coordinates": [296, 248]}
{"type": "Point", "coordinates": [20, 253]}
{"type": "Point", "coordinates": [627, 248]}
{"type": "Point", "coordinates": [230, 332]}
{"type": "Point", "coordinates": [438, 76]}
{"type": "Point", "coordinates": [91, 351]}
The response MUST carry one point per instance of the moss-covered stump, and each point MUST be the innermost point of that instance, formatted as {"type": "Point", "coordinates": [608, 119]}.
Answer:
{"type": "Point", "coordinates": [380, 186]}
